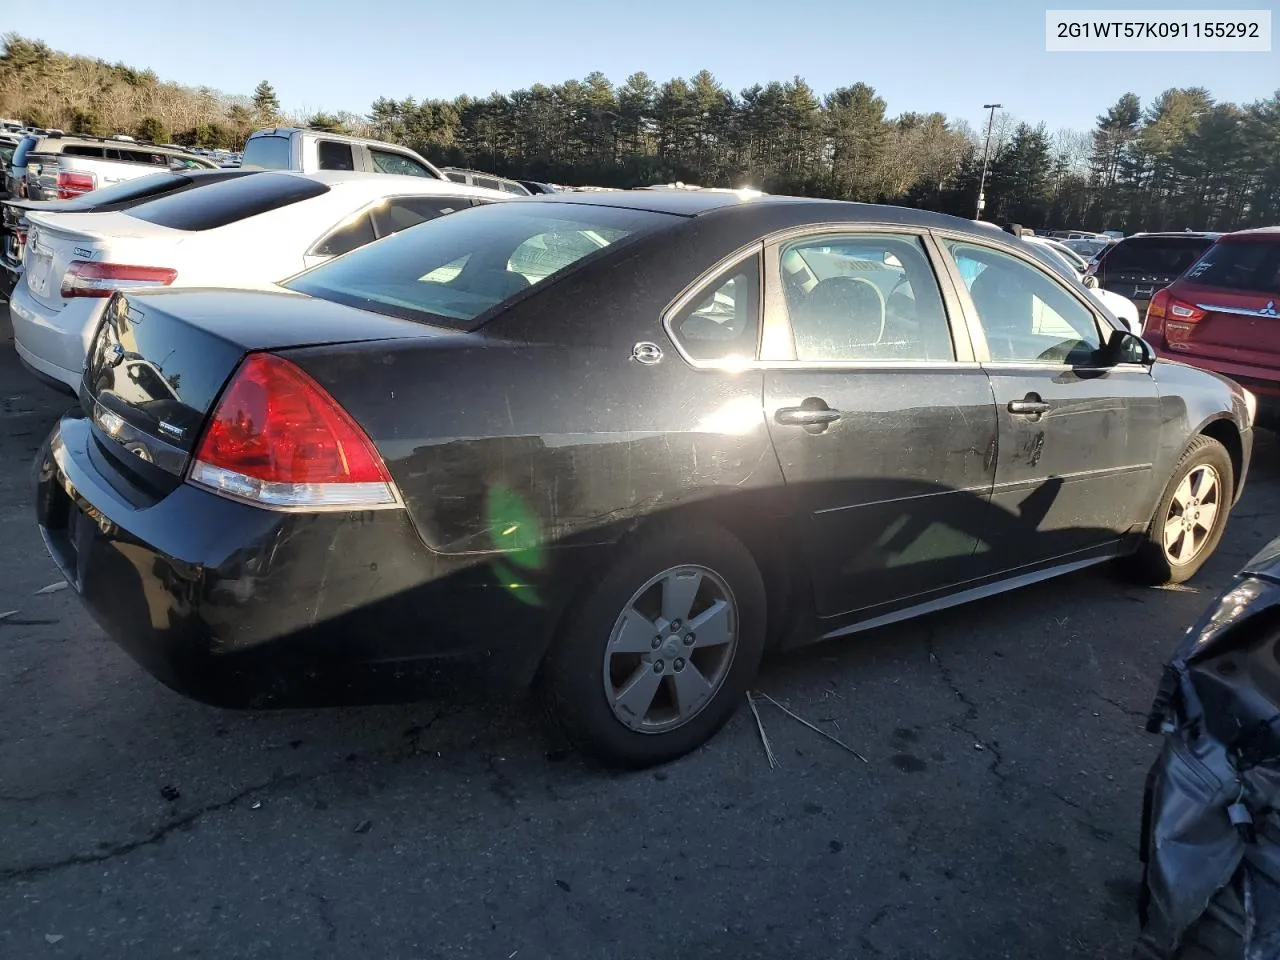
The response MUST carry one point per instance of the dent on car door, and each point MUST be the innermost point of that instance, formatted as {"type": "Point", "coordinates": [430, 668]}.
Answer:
{"type": "Point", "coordinates": [1078, 432]}
{"type": "Point", "coordinates": [883, 423]}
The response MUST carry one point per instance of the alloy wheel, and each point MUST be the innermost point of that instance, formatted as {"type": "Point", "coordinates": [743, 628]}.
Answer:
{"type": "Point", "coordinates": [670, 649]}
{"type": "Point", "coordinates": [1192, 514]}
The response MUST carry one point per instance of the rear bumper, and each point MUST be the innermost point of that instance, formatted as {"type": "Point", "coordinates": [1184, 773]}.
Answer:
{"type": "Point", "coordinates": [238, 606]}
{"type": "Point", "coordinates": [54, 342]}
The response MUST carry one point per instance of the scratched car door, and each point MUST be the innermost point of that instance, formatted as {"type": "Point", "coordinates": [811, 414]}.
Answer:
{"type": "Point", "coordinates": [1077, 435]}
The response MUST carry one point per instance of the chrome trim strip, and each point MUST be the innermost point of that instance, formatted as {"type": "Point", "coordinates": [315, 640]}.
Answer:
{"type": "Point", "coordinates": [966, 596]}
{"type": "Point", "coordinates": [1234, 311]}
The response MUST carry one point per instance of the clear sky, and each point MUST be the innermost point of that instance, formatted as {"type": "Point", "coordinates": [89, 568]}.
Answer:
{"type": "Point", "coordinates": [920, 55]}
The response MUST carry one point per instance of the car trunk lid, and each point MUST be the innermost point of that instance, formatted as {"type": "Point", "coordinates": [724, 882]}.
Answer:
{"type": "Point", "coordinates": [159, 362]}
{"type": "Point", "coordinates": [55, 240]}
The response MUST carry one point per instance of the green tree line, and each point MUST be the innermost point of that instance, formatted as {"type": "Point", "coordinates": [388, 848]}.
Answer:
{"type": "Point", "coordinates": [1183, 160]}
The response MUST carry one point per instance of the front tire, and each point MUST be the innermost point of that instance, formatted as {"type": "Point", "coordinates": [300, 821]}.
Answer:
{"type": "Point", "coordinates": [1188, 522]}
{"type": "Point", "coordinates": [655, 656]}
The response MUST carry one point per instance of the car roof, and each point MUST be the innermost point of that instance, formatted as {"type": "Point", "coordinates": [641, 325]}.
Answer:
{"type": "Point", "coordinates": [1254, 232]}
{"type": "Point", "coordinates": [697, 203]}
{"type": "Point", "coordinates": [385, 184]}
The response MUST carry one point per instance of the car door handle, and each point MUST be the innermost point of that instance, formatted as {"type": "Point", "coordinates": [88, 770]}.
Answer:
{"type": "Point", "coordinates": [804, 416]}
{"type": "Point", "coordinates": [1031, 405]}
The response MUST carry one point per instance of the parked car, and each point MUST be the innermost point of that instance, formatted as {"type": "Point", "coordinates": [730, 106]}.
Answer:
{"type": "Point", "coordinates": [615, 445]}
{"type": "Point", "coordinates": [1223, 314]}
{"type": "Point", "coordinates": [310, 151]}
{"type": "Point", "coordinates": [1089, 247]}
{"type": "Point", "coordinates": [61, 167]}
{"type": "Point", "coordinates": [1139, 265]}
{"type": "Point", "coordinates": [536, 186]}
{"type": "Point", "coordinates": [249, 230]}
{"type": "Point", "coordinates": [490, 181]}
{"type": "Point", "coordinates": [8, 145]}
{"type": "Point", "coordinates": [15, 178]}
{"type": "Point", "coordinates": [1211, 861]}
{"type": "Point", "coordinates": [120, 196]}
{"type": "Point", "coordinates": [1121, 307]}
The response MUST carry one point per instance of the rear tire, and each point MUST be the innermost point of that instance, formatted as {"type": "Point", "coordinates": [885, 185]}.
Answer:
{"type": "Point", "coordinates": [1181, 536]}
{"type": "Point", "coordinates": [628, 679]}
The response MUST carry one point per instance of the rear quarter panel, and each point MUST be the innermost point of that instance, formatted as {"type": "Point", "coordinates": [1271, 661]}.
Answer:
{"type": "Point", "coordinates": [548, 434]}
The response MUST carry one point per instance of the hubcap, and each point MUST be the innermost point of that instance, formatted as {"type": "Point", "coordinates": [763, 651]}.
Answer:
{"type": "Point", "coordinates": [670, 649]}
{"type": "Point", "coordinates": [1192, 514]}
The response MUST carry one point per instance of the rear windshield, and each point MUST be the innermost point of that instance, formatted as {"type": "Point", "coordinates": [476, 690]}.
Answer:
{"type": "Point", "coordinates": [451, 270]}
{"type": "Point", "coordinates": [227, 201]}
{"type": "Point", "coordinates": [1159, 256]}
{"type": "Point", "coordinates": [1250, 266]}
{"type": "Point", "coordinates": [270, 153]}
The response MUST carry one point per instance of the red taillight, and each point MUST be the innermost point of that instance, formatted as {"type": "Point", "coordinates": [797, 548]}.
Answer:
{"type": "Point", "coordinates": [278, 439]}
{"type": "Point", "coordinates": [89, 278]}
{"type": "Point", "coordinates": [1175, 317]}
{"type": "Point", "coordinates": [73, 184]}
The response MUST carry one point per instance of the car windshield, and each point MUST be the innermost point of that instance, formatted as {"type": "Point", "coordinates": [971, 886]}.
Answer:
{"type": "Point", "coordinates": [1160, 256]}
{"type": "Point", "coordinates": [451, 270]}
{"type": "Point", "coordinates": [1249, 266]}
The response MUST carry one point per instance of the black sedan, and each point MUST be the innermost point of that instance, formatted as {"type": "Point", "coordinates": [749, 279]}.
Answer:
{"type": "Point", "coordinates": [615, 446]}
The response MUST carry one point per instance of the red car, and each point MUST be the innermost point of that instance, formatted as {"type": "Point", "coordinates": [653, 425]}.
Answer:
{"type": "Point", "coordinates": [1223, 314]}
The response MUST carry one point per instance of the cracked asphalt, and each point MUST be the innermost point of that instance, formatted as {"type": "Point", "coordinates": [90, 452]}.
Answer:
{"type": "Point", "coordinates": [997, 814]}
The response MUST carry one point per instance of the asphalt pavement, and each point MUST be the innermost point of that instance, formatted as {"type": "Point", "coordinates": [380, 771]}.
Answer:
{"type": "Point", "coordinates": [996, 816]}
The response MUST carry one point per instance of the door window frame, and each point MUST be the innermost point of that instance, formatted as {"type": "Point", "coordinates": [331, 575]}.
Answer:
{"type": "Point", "coordinates": [973, 319]}
{"type": "Point", "coordinates": [708, 282]}
{"type": "Point", "coordinates": [778, 341]}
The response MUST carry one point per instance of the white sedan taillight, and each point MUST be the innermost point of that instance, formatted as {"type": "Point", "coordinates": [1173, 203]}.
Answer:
{"type": "Point", "coordinates": [89, 278]}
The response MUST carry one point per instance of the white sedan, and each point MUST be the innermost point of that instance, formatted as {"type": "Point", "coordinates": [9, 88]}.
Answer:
{"type": "Point", "coordinates": [1124, 308]}
{"type": "Point", "coordinates": [247, 232]}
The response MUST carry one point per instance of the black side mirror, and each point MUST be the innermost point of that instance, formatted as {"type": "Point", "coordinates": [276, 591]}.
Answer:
{"type": "Point", "coordinates": [1126, 347]}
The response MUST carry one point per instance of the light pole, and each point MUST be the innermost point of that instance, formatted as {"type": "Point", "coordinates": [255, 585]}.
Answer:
{"type": "Point", "coordinates": [986, 146]}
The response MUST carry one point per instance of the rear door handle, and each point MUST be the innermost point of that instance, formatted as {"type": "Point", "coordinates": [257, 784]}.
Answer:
{"type": "Point", "coordinates": [804, 416]}
{"type": "Point", "coordinates": [1031, 406]}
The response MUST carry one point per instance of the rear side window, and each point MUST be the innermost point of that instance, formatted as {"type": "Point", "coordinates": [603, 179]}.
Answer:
{"type": "Point", "coordinates": [1158, 256]}
{"type": "Point", "coordinates": [725, 320]}
{"type": "Point", "coordinates": [1249, 266]}
{"type": "Point", "coordinates": [269, 153]}
{"type": "Point", "coordinates": [227, 201]}
{"type": "Point", "coordinates": [451, 270]}
{"type": "Point", "coordinates": [384, 161]}
{"type": "Point", "coordinates": [400, 213]}
{"type": "Point", "coordinates": [456, 177]}
{"type": "Point", "coordinates": [335, 156]}
{"type": "Point", "coordinates": [347, 238]}
{"type": "Point", "coordinates": [80, 150]}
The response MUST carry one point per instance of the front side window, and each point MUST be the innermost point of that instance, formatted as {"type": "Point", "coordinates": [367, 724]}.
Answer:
{"type": "Point", "coordinates": [858, 297]}
{"type": "Point", "coordinates": [1026, 315]}
{"type": "Point", "coordinates": [452, 270]}
{"type": "Point", "coordinates": [385, 161]}
{"type": "Point", "coordinates": [335, 155]}
{"type": "Point", "coordinates": [724, 321]}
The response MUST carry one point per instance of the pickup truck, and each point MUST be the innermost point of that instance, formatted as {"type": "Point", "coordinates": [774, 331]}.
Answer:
{"type": "Point", "coordinates": [310, 151]}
